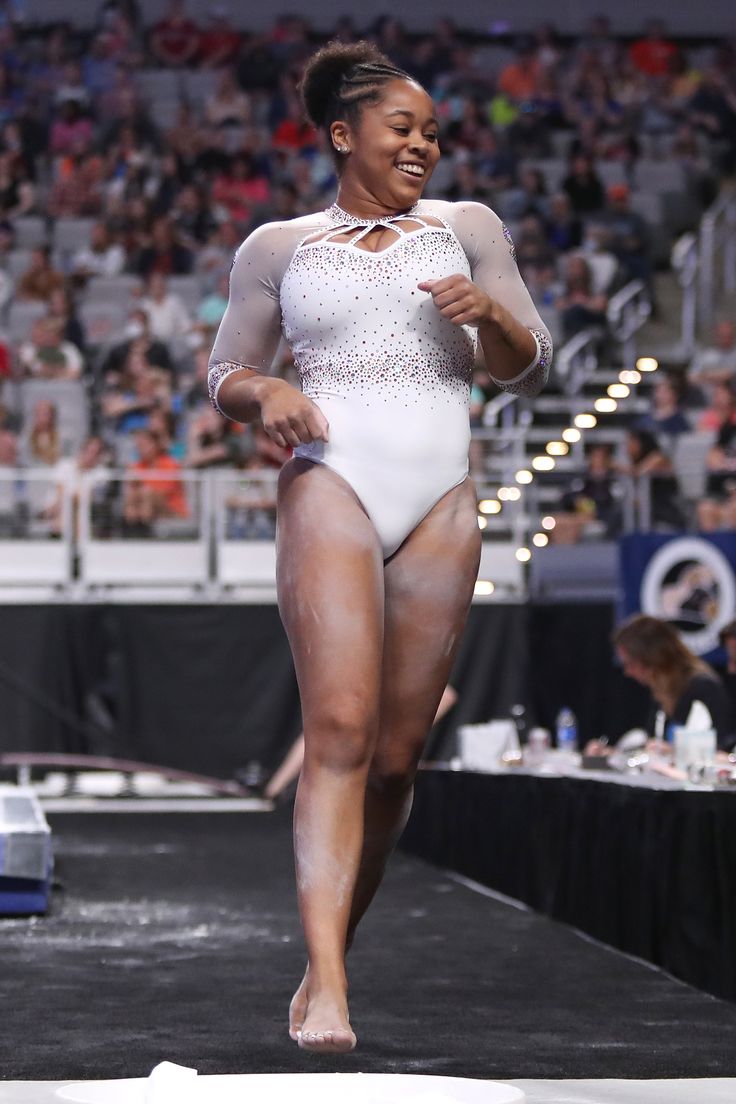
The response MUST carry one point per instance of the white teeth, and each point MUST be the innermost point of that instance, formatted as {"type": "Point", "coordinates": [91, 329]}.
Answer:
{"type": "Point", "coordinates": [413, 170]}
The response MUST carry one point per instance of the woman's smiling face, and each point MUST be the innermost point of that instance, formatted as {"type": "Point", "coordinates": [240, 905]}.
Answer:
{"type": "Point", "coordinates": [393, 147]}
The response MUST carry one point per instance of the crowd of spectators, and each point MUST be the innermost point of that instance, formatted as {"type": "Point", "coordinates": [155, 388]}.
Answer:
{"type": "Point", "coordinates": [134, 160]}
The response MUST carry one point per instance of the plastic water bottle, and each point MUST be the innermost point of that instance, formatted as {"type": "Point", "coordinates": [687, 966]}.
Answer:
{"type": "Point", "coordinates": [567, 731]}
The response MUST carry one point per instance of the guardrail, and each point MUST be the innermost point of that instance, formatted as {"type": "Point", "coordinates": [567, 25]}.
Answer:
{"type": "Point", "coordinates": [627, 312]}
{"type": "Point", "coordinates": [716, 257]}
{"type": "Point", "coordinates": [685, 261]}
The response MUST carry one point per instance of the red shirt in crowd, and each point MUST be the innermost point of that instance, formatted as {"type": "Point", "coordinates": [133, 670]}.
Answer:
{"type": "Point", "coordinates": [171, 491]}
{"type": "Point", "coordinates": [653, 56]}
{"type": "Point", "coordinates": [175, 41]}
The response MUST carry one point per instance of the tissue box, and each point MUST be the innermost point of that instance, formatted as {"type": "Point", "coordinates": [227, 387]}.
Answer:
{"type": "Point", "coordinates": [26, 860]}
{"type": "Point", "coordinates": [482, 746]}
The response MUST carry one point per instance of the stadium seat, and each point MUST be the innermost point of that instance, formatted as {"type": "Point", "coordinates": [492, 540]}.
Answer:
{"type": "Point", "coordinates": [71, 234]}
{"type": "Point", "coordinates": [189, 290]}
{"type": "Point", "coordinates": [21, 316]}
{"type": "Point", "coordinates": [102, 320]}
{"type": "Point", "coordinates": [116, 289]}
{"type": "Point", "coordinates": [31, 232]}
{"type": "Point", "coordinates": [155, 84]}
{"type": "Point", "coordinates": [18, 260]}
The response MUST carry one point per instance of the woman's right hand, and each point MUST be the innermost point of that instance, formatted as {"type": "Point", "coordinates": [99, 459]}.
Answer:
{"type": "Point", "coordinates": [288, 416]}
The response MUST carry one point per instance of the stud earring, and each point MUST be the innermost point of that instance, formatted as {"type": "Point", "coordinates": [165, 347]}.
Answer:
{"type": "Point", "coordinates": [343, 149]}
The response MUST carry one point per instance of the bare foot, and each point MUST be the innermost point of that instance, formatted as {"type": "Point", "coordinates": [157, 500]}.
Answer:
{"type": "Point", "coordinates": [326, 1028]}
{"type": "Point", "coordinates": [298, 1008]}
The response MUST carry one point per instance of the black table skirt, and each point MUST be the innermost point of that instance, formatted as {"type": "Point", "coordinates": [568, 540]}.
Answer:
{"type": "Point", "coordinates": [652, 872]}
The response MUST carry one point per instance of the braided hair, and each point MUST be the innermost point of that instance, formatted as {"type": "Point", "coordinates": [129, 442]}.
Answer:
{"type": "Point", "coordinates": [340, 78]}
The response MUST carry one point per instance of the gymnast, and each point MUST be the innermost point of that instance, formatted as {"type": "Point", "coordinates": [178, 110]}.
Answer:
{"type": "Point", "coordinates": [386, 301]}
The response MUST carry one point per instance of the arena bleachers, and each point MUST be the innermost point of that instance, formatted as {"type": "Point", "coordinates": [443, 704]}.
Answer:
{"type": "Point", "coordinates": [129, 174]}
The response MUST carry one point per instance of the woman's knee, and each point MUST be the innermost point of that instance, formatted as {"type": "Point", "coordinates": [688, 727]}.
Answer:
{"type": "Point", "coordinates": [341, 739]}
{"type": "Point", "coordinates": [394, 777]}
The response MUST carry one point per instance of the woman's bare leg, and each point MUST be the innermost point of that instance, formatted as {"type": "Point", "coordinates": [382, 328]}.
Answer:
{"type": "Point", "coordinates": [429, 586]}
{"type": "Point", "coordinates": [330, 584]}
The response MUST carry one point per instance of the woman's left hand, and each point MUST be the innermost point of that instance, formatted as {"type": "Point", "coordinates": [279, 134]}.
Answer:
{"type": "Point", "coordinates": [459, 300]}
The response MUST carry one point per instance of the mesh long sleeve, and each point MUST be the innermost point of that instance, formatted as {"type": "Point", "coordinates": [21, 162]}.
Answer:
{"type": "Point", "coordinates": [250, 329]}
{"type": "Point", "coordinates": [490, 251]}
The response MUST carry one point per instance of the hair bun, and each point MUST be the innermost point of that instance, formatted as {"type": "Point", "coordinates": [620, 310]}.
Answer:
{"type": "Point", "coordinates": [325, 70]}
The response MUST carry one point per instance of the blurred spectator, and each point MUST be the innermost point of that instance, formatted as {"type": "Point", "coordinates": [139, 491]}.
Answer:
{"type": "Point", "coordinates": [713, 110]}
{"type": "Point", "coordinates": [494, 164]}
{"type": "Point", "coordinates": [652, 474]}
{"type": "Point", "coordinates": [17, 195]}
{"type": "Point", "coordinates": [228, 105]}
{"type": "Point", "coordinates": [220, 42]}
{"type": "Point", "coordinates": [139, 343]}
{"type": "Point", "coordinates": [628, 237]}
{"type": "Point", "coordinates": [102, 257]}
{"type": "Point", "coordinates": [40, 278]}
{"type": "Point", "coordinates": [653, 54]}
{"type": "Point", "coordinates": [175, 40]}
{"type": "Point", "coordinates": [666, 415]}
{"type": "Point", "coordinates": [78, 191]}
{"type": "Point", "coordinates": [578, 305]}
{"type": "Point", "coordinates": [212, 307]}
{"type": "Point", "coordinates": [72, 89]}
{"type": "Point", "coordinates": [583, 186]}
{"type": "Point", "coordinates": [294, 132]}
{"type": "Point", "coordinates": [590, 506]}
{"type": "Point", "coordinates": [533, 251]}
{"type": "Point", "coordinates": [44, 439]}
{"type": "Point", "coordinates": [601, 262]}
{"type": "Point", "coordinates": [63, 311]}
{"type": "Point", "coordinates": [164, 255]}
{"type": "Point", "coordinates": [192, 218]}
{"type": "Point", "coordinates": [718, 509]}
{"type": "Point", "coordinates": [71, 131]}
{"type": "Point", "coordinates": [717, 362]}
{"type": "Point", "coordinates": [47, 355]}
{"type": "Point", "coordinates": [215, 442]}
{"type": "Point", "coordinates": [217, 255]}
{"type": "Point", "coordinates": [240, 188]}
{"type": "Point", "coordinates": [148, 497]}
{"type": "Point", "coordinates": [528, 198]}
{"type": "Point", "coordinates": [8, 448]}
{"type": "Point", "coordinates": [91, 457]}
{"type": "Point", "coordinates": [128, 398]}
{"type": "Point", "coordinates": [99, 70]}
{"type": "Point", "coordinates": [167, 315]}
{"type": "Point", "coordinates": [721, 411]}
{"type": "Point", "coordinates": [519, 79]}
{"type": "Point", "coordinates": [564, 228]}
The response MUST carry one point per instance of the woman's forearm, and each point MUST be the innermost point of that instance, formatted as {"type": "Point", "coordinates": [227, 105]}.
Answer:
{"type": "Point", "coordinates": [241, 393]}
{"type": "Point", "coordinates": [508, 347]}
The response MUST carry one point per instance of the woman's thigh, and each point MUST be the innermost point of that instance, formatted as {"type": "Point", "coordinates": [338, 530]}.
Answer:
{"type": "Point", "coordinates": [428, 586]}
{"type": "Point", "coordinates": [331, 599]}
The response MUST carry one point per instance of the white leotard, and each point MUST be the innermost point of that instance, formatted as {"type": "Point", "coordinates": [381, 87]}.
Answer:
{"type": "Point", "coordinates": [390, 374]}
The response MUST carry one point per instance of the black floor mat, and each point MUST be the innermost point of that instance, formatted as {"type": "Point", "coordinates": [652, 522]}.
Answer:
{"type": "Point", "coordinates": [176, 937]}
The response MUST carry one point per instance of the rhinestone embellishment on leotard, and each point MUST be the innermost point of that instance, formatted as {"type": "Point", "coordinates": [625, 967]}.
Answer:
{"type": "Point", "coordinates": [532, 379]}
{"type": "Point", "coordinates": [342, 218]}
{"type": "Point", "coordinates": [507, 234]}
{"type": "Point", "coordinates": [357, 321]}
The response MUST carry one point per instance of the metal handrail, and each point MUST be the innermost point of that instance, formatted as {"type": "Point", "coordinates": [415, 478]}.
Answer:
{"type": "Point", "coordinates": [627, 312]}
{"type": "Point", "coordinates": [685, 261]}
{"type": "Point", "coordinates": [717, 235]}
{"type": "Point", "coordinates": [576, 360]}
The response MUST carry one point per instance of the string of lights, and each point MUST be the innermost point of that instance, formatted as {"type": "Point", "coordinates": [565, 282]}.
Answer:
{"type": "Point", "coordinates": [545, 462]}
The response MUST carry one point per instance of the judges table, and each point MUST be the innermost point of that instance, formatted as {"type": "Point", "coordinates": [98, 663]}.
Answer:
{"type": "Point", "coordinates": [641, 863]}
